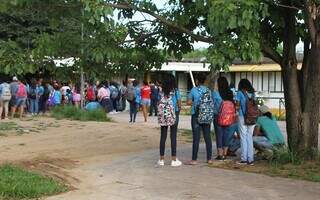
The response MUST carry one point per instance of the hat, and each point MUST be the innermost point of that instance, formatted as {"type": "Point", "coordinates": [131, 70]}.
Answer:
{"type": "Point", "coordinates": [14, 78]}
{"type": "Point", "coordinates": [264, 109]}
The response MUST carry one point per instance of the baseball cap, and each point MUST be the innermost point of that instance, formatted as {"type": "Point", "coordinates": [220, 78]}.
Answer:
{"type": "Point", "coordinates": [264, 109]}
{"type": "Point", "coordinates": [14, 78]}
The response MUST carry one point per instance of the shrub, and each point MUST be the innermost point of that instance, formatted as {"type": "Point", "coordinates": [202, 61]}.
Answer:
{"type": "Point", "coordinates": [73, 113]}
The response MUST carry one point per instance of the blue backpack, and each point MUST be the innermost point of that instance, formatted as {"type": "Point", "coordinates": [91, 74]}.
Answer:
{"type": "Point", "coordinates": [205, 108]}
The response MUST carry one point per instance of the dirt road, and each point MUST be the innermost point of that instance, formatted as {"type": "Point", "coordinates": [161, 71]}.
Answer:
{"type": "Point", "coordinates": [117, 161]}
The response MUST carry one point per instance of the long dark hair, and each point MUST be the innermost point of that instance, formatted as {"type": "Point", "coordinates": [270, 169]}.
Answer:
{"type": "Point", "coordinates": [224, 89]}
{"type": "Point", "coordinates": [268, 114]}
{"type": "Point", "coordinates": [168, 85]}
{"type": "Point", "coordinates": [245, 85]}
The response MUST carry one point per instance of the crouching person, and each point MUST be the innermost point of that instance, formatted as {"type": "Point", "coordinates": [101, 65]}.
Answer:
{"type": "Point", "coordinates": [267, 134]}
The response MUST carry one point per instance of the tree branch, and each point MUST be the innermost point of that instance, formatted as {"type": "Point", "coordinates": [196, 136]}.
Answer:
{"type": "Point", "coordinates": [163, 20]}
{"type": "Point", "coordinates": [272, 54]}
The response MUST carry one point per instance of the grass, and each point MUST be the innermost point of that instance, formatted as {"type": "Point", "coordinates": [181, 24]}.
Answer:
{"type": "Point", "coordinates": [283, 164]}
{"type": "Point", "coordinates": [16, 183]}
{"type": "Point", "coordinates": [7, 126]}
{"type": "Point", "coordinates": [73, 113]}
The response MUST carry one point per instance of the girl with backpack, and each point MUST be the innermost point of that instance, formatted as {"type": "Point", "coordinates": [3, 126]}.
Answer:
{"type": "Point", "coordinates": [225, 117]}
{"type": "Point", "coordinates": [133, 97]}
{"type": "Point", "coordinates": [202, 116]}
{"type": "Point", "coordinates": [5, 96]}
{"type": "Point", "coordinates": [167, 117]}
{"type": "Point", "coordinates": [76, 97]}
{"type": "Point", "coordinates": [245, 96]}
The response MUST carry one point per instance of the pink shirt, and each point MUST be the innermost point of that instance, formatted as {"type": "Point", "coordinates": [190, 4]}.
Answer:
{"type": "Point", "coordinates": [103, 93]}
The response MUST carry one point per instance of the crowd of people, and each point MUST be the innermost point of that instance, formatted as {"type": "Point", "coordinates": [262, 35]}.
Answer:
{"type": "Point", "coordinates": [238, 121]}
{"type": "Point", "coordinates": [37, 96]}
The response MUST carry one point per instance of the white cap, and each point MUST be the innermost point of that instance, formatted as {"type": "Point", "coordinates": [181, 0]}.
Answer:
{"type": "Point", "coordinates": [14, 78]}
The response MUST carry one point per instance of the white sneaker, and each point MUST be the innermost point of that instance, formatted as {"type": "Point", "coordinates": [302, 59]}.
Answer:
{"type": "Point", "coordinates": [160, 162]}
{"type": "Point", "coordinates": [176, 163]}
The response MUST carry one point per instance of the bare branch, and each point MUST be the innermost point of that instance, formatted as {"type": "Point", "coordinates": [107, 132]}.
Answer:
{"type": "Point", "coordinates": [175, 27]}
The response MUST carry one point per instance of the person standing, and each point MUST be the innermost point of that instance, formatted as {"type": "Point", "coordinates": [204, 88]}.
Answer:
{"type": "Point", "coordinates": [21, 98]}
{"type": "Point", "coordinates": [225, 120]}
{"type": "Point", "coordinates": [33, 95]}
{"type": "Point", "coordinates": [133, 97]}
{"type": "Point", "coordinates": [104, 97]}
{"type": "Point", "coordinates": [5, 96]}
{"type": "Point", "coordinates": [145, 99]}
{"type": "Point", "coordinates": [194, 100]}
{"type": "Point", "coordinates": [168, 110]}
{"type": "Point", "coordinates": [154, 99]}
{"type": "Point", "coordinates": [123, 95]}
{"type": "Point", "coordinates": [13, 89]}
{"type": "Point", "coordinates": [245, 93]}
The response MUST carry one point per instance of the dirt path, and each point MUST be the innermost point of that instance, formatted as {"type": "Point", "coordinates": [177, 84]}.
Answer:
{"type": "Point", "coordinates": [117, 161]}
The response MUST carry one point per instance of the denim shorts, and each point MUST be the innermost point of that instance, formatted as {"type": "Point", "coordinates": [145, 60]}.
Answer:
{"type": "Point", "coordinates": [20, 101]}
{"type": "Point", "coordinates": [146, 102]}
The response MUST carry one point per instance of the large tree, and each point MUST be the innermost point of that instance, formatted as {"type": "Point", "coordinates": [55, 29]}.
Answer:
{"type": "Point", "coordinates": [246, 29]}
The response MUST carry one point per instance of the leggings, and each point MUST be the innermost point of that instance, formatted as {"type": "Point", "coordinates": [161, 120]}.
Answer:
{"type": "Point", "coordinates": [173, 137]}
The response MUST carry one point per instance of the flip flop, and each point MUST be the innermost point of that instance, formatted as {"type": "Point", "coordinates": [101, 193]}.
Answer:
{"type": "Point", "coordinates": [191, 162]}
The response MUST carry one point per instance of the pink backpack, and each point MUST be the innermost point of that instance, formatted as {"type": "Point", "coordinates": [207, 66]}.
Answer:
{"type": "Point", "coordinates": [227, 115]}
{"type": "Point", "coordinates": [22, 92]}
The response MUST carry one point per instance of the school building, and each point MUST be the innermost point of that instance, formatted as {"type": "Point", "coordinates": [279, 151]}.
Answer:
{"type": "Point", "coordinates": [265, 77]}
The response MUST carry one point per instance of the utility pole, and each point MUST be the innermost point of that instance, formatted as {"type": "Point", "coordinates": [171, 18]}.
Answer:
{"type": "Point", "coordinates": [82, 63]}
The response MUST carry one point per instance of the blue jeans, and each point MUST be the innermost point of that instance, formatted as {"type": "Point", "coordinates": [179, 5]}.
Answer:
{"type": "Point", "coordinates": [246, 133]}
{"type": "Point", "coordinates": [34, 106]}
{"type": "Point", "coordinates": [234, 145]}
{"type": "Point", "coordinates": [196, 128]}
{"type": "Point", "coordinates": [224, 134]}
{"type": "Point", "coordinates": [261, 143]}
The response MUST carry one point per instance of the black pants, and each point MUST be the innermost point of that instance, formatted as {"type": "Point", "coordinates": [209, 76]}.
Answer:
{"type": "Point", "coordinates": [154, 107]}
{"type": "Point", "coordinates": [43, 104]}
{"type": "Point", "coordinates": [133, 111]}
{"type": "Point", "coordinates": [196, 129]}
{"type": "Point", "coordinates": [173, 137]}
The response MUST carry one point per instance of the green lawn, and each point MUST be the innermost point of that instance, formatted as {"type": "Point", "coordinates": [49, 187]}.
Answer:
{"type": "Point", "coordinates": [16, 183]}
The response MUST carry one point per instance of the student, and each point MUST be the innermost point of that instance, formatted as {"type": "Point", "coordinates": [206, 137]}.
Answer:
{"type": "Point", "coordinates": [76, 96]}
{"type": "Point", "coordinates": [133, 97]}
{"type": "Point", "coordinates": [194, 99]}
{"type": "Point", "coordinates": [168, 112]}
{"type": "Point", "coordinates": [34, 96]}
{"type": "Point", "coordinates": [5, 96]}
{"type": "Point", "coordinates": [57, 96]}
{"type": "Point", "coordinates": [145, 99]}
{"type": "Point", "coordinates": [13, 89]}
{"type": "Point", "coordinates": [20, 99]}
{"type": "Point", "coordinates": [154, 99]}
{"type": "Point", "coordinates": [245, 92]}
{"type": "Point", "coordinates": [224, 125]}
{"type": "Point", "coordinates": [267, 133]}
{"type": "Point", "coordinates": [104, 97]}
{"type": "Point", "coordinates": [114, 96]}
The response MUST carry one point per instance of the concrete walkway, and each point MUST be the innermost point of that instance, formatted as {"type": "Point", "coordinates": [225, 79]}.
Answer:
{"type": "Point", "coordinates": [137, 177]}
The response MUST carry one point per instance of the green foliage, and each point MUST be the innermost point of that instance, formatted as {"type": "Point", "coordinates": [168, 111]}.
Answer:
{"type": "Point", "coordinates": [283, 156]}
{"type": "Point", "coordinates": [16, 183]}
{"type": "Point", "coordinates": [73, 113]}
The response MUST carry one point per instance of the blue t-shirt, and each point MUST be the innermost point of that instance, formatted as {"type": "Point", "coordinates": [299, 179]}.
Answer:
{"type": "Point", "coordinates": [217, 100]}
{"type": "Point", "coordinates": [57, 97]}
{"type": "Point", "coordinates": [242, 99]}
{"type": "Point", "coordinates": [138, 95]}
{"type": "Point", "coordinates": [40, 90]}
{"type": "Point", "coordinates": [2, 86]}
{"type": "Point", "coordinates": [175, 98]}
{"type": "Point", "coordinates": [195, 96]}
{"type": "Point", "coordinates": [92, 106]}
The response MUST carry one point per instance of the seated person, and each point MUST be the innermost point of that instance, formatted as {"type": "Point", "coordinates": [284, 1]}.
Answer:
{"type": "Point", "coordinates": [94, 105]}
{"type": "Point", "coordinates": [267, 133]}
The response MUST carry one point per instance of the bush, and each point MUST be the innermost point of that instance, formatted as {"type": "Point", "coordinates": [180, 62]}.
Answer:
{"type": "Point", "coordinates": [73, 113]}
{"type": "Point", "coordinates": [16, 183]}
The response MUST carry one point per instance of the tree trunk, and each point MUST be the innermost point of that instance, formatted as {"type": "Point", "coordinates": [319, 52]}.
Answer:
{"type": "Point", "coordinates": [302, 111]}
